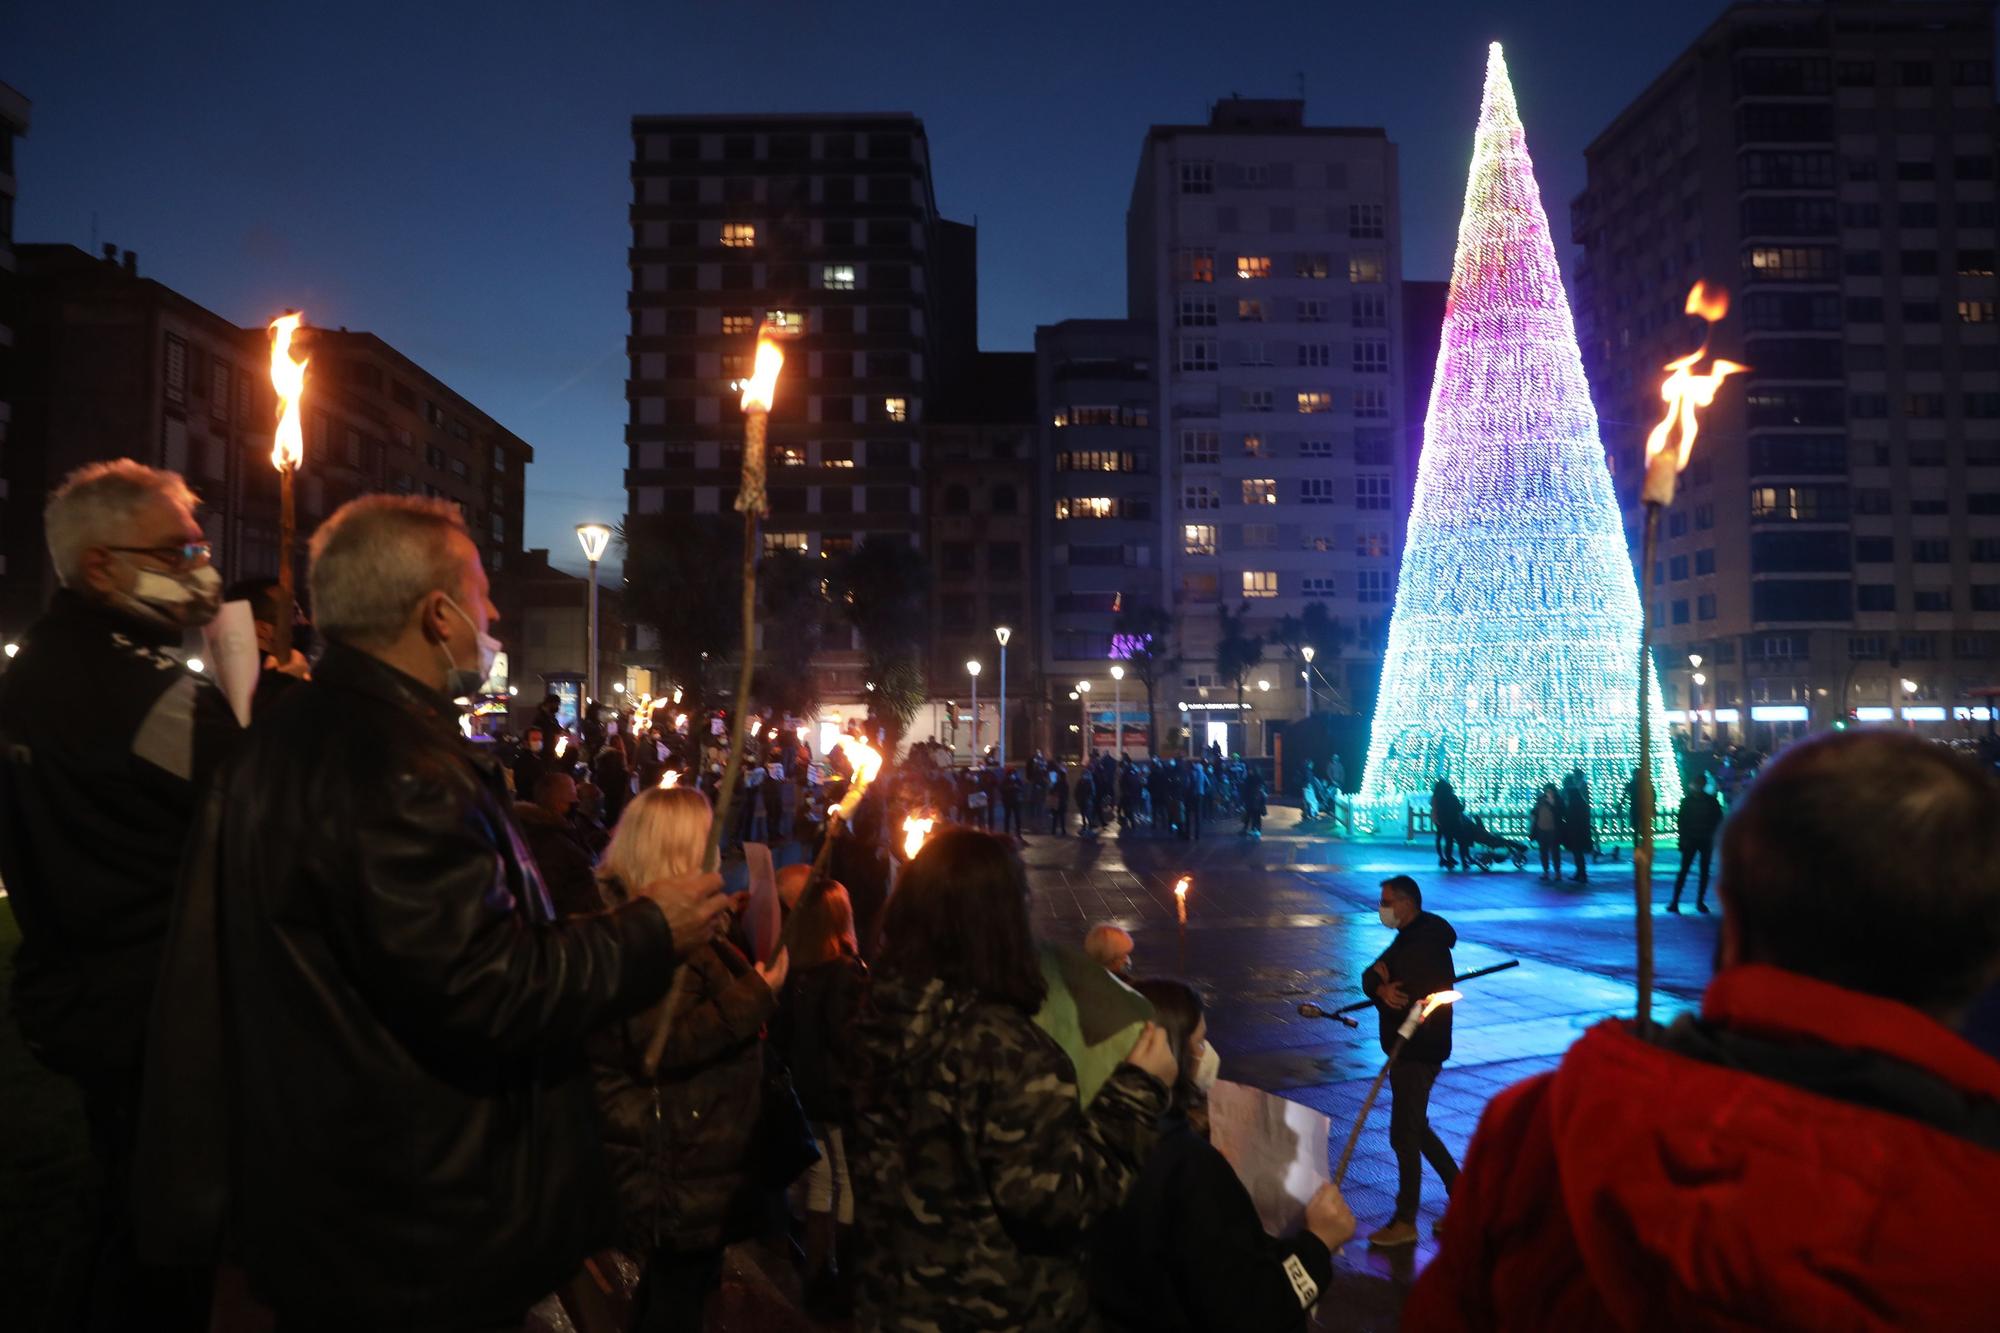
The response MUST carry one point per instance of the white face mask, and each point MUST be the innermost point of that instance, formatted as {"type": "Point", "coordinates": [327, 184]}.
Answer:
{"type": "Point", "coordinates": [1388, 915]}
{"type": "Point", "coordinates": [1207, 1067]}
{"type": "Point", "coordinates": [186, 600]}
{"type": "Point", "coordinates": [463, 682]}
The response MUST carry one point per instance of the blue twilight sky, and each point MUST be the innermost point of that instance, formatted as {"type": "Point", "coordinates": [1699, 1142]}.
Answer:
{"type": "Point", "coordinates": [453, 176]}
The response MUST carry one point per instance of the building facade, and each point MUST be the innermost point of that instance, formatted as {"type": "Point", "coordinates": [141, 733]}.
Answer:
{"type": "Point", "coordinates": [1835, 544]}
{"type": "Point", "coordinates": [828, 225]}
{"type": "Point", "coordinates": [117, 365]}
{"type": "Point", "coordinates": [1265, 254]}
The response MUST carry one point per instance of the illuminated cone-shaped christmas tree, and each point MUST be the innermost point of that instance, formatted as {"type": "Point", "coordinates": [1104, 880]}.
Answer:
{"type": "Point", "coordinates": [1516, 630]}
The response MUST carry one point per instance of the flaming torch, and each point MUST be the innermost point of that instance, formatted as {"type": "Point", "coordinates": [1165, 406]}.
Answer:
{"type": "Point", "coordinates": [915, 829]}
{"type": "Point", "coordinates": [288, 450]}
{"type": "Point", "coordinates": [670, 779]}
{"type": "Point", "coordinates": [751, 501]}
{"type": "Point", "coordinates": [1181, 887]}
{"type": "Point", "coordinates": [1419, 1011]}
{"type": "Point", "coordinates": [1684, 391]}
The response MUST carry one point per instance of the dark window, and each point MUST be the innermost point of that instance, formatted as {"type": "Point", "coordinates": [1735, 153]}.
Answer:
{"type": "Point", "coordinates": [1864, 309]}
{"type": "Point", "coordinates": [1875, 597]}
{"type": "Point", "coordinates": [1704, 561]}
{"type": "Point", "coordinates": [888, 319]}
{"type": "Point", "coordinates": [1798, 552]}
{"type": "Point", "coordinates": [1681, 611]}
{"type": "Point", "coordinates": [739, 147]}
{"type": "Point", "coordinates": [837, 189]}
{"type": "Point", "coordinates": [684, 148]}
{"type": "Point", "coordinates": [683, 190]}
{"type": "Point", "coordinates": [1004, 558]}
{"type": "Point", "coordinates": [1797, 358]}
{"type": "Point", "coordinates": [888, 499]}
{"type": "Point", "coordinates": [1915, 73]}
{"type": "Point", "coordinates": [1986, 596]}
{"type": "Point", "coordinates": [1931, 551]}
{"type": "Point", "coordinates": [836, 500]}
{"type": "Point", "coordinates": [1875, 550]}
{"type": "Point", "coordinates": [957, 500]}
{"type": "Point", "coordinates": [1785, 123]}
{"type": "Point", "coordinates": [1916, 169]}
{"type": "Point", "coordinates": [1767, 406]}
{"type": "Point", "coordinates": [889, 147]}
{"type": "Point", "coordinates": [838, 146]}
{"type": "Point", "coordinates": [889, 190]}
{"type": "Point", "coordinates": [1810, 455]}
{"type": "Point", "coordinates": [1799, 600]}
{"type": "Point", "coordinates": [837, 319]}
{"type": "Point", "coordinates": [1789, 217]}
{"type": "Point", "coordinates": [1704, 606]}
{"type": "Point", "coordinates": [1005, 500]}
{"type": "Point", "coordinates": [788, 500]}
{"type": "Point", "coordinates": [1921, 263]}
{"type": "Point", "coordinates": [956, 557]}
{"type": "Point", "coordinates": [1933, 599]}
{"type": "Point", "coordinates": [791, 147]}
{"type": "Point", "coordinates": [888, 453]}
{"type": "Point", "coordinates": [839, 408]}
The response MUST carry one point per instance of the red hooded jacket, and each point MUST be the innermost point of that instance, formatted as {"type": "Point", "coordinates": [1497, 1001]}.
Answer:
{"type": "Point", "coordinates": [1637, 1187]}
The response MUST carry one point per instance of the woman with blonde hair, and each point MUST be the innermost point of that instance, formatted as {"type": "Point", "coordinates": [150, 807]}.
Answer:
{"type": "Point", "coordinates": [678, 1145]}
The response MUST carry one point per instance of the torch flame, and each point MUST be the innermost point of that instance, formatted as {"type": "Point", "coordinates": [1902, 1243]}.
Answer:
{"type": "Point", "coordinates": [1683, 391]}
{"type": "Point", "coordinates": [1182, 885]}
{"type": "Point", "coordinates": [1438, 1000]}
{"type": "Point", "coordinates": [762, 386]}
{"type": "Point", "coordinates": [670, 779]}
{"type": "Point", "coordinates": [562, 743]}
{"type": "Point", "coordinates": [866, 763]}
{"type": "Point", "coordinates": [288, 378]}
{"type": "Point", "coordinates": [915, 829]}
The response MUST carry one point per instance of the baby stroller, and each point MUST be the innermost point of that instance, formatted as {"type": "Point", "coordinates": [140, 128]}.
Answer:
{"type": "Point", "coordinates": [1482, 847]}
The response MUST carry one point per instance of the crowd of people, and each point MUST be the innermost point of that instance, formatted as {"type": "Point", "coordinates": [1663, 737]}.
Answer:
{"type": "Point", "coordinates": [369, 1036]}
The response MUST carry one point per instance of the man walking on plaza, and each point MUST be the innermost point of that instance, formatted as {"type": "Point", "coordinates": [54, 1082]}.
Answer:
{"type": "Point", "coordinates": [107, 738]}
{"type": "Point", "coordinates": [1819, 1148]}
{"type": "Point", "coordinates": [1700, 817]}
{"type": "Point", "coordinates": [1416, 964]}
{"type": "Point", "coordinates": [370, 1027]}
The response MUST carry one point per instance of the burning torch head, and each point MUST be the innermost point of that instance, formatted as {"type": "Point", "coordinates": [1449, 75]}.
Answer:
{"type": "Point", "coordinates": [916, 828]}
{"type": "Point", "coordinates": [288, 380]}
{"type": "Point", "coordinates": [1423, 1009]}
{"type": "Point", "coordinates": [1684, 391]}
{"type": "Point", "coordinates": [864, 762]}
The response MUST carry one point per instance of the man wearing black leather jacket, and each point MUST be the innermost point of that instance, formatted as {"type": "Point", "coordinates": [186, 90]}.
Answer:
{"type": "Point", "coordinates": [378, 1104]}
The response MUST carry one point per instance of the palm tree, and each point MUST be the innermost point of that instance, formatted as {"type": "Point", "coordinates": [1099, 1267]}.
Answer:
{"type": "Point", "coordinates": [1142, 636]}
{"type": "Point", "coordinates": [1237, 651]}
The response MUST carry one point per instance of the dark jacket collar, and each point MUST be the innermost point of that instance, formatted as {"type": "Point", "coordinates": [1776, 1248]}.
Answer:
{"type": "Point", "coordinates": [72, 607]}
{"type": "Point", "coordinates": [1773, 1002]}
{"type": "Point", "coordinates": [345, 667]}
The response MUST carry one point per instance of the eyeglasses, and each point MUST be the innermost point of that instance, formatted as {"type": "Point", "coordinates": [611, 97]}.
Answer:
{"type": "Point", "coordinates": [184, 554]}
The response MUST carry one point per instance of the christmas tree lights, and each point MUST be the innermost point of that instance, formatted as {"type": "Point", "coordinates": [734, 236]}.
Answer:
{"type": "Point", "coordinates": [1513, 645]}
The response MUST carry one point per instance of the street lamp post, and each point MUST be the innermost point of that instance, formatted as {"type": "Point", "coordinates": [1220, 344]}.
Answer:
{"type": "Point", "coordinates": [1086, 742]}
{"type": "Point", "coordinates": [972, 670]}
{"type": "Point", "coordinates": [1118, 709]}
{"type": "Point", "coordinates": [595, 537]}
{"type": "Point", "coordinates": [1696, 681]}
{"type": "Point", "coordinates": [1307, 653]}
{"type": "Point", "coordinates": [1003, 634]}
{"type": "Point", "coordinates": [1910, 688]}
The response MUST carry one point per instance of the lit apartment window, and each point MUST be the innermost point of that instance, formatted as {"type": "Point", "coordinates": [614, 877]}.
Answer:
{"type": "Point", "coordinates": [1315, 401]}
{"type": "Point", "coordinates": [1316, 491]}
{"type": "Point", "coordinates": [1253, 447]}
{"type": "Point", "coordinates": [1373, 585]}
{"type": "Point", "coordinates": [1194, 265]}
{"type": "Point", "coordinates": [837, 277]}
{"type": "Point", "coordinates": [1315, 354]}
{"type": "Point", "coordinates": [896, 409]}
{"type": "Point", "coordinates": [1317, 585]}
{"type": "Point", "coordinates": [1197, 178]}
{"type": "Point", "coordinates": [1096, 460]}
{"type": "Point", "coordinates": [739, 235]}
{"type": "Point", "coordinates": [1197, 311]}
{"type": "Point", "coordinates": [791, 321]}
{"type": "Point", "coordinates": [1253, 266]}
{"type": "Point", "coordinates": [1200, 446]}
{"type": "Point", "coordinates": [1312, 312]}
{"type": "Point", "coordinates": [1198, 354]}
{"type": "Point", "coordinates": [1200, 495]}
{"type": "Point", "coordinates": [836, 455]}
{"type": "Point", "coordinates": [1364, 221]}
{"type": "Point", "coordinates": [1092, 506]}
{"type": "Point", "coordinates": [1364, 268]}
{"type": "Point", "coordinates": [1198, 539]}
{"type": "Point", "coordinates": [1371, 403]}
{"type": "Point", "coordinates": [1371, 355]}
{"type": "Point", "coordinates": [784, 541]}
{"type": "Point", "coordinates": [1260, 491]}
{"type": "Point", "coordinates": [1260, 583]}
{"type": "Point", "coordinates": [789, 455]}
{"type": "Point", "coordinates": [1975, 312]}
{"type": "Point", "coordinates": [1089, 415]}
{"type": "Point", "coordinates": [737, 322]}
{"type": "Point", "coordinates": [1372, 545]}
{"type": "Point", "coordinates": [1371, 492]}
{"type": "Point", "coordinates": [1252, 311]}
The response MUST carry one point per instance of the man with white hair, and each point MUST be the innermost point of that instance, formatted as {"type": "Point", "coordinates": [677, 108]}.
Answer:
{"type": "Point", "coordinates": [106, 736]}
{"type": "Point", "coordinates": [379, 1106]}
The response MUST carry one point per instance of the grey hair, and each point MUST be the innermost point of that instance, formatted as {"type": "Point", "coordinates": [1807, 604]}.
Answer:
{"type": "Point", "coordinates": [97, 504]}
{"type": "Point", "coordinates": [376, 556]}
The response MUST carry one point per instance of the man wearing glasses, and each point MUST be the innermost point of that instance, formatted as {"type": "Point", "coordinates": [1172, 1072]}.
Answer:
{"type": "Point", "coordinates": [106, 736]}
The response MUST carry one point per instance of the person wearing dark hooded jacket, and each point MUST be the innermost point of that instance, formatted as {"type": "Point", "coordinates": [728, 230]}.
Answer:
{"type": "Point", "coordinates": [977, 1170]}
{"type": "Point", "coordinates": [1818, 1148]}
{"type": "Point", "coordinates": [1187, 1253]}
{"type": "Point", "coordinates": [1416, 964]}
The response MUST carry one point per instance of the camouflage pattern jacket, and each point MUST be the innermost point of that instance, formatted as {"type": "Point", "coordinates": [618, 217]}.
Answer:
{"type": "Point", "coordinates": [976, 1169]}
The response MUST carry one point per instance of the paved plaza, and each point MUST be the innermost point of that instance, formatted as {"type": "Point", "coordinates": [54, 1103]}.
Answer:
{"type": "Point", "coordinates": [1291, 918]}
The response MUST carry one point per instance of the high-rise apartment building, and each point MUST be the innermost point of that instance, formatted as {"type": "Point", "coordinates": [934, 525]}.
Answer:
{"type": "Point", "coordinates": [1265, 253]}
{"type": "Point", "coordinates": [114, 364]}
{"type": "Point", "coordinates": [1835, 544]}
{"type": "Point", "coordinates": [827, 224]}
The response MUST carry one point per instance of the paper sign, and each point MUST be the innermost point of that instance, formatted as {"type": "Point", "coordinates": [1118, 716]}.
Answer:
{"type": "Point", "coordinates": [1278, 1148]}
{"type": "Point", "coordinates": [233, 657]}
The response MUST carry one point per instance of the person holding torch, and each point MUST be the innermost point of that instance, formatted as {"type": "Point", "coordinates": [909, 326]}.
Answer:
{"type": "Point", "coordinates": [1417, 963]}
